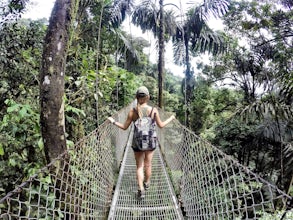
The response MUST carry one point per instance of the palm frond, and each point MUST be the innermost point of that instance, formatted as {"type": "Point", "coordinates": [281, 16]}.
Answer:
{"type": "Point", "coordinates": [208, 41]}
{"type": "Point", "coordinates": [171, 25]}
{"type": "Point", "coordinates": [216, 8]}
{"type": "Point", "coordinates": [179, 52]}
{"type": "Point", "coordinates": [128, 44]}
{"type": "Point", "coordinates": [201, 37]}
{"type": "Point", "coordinates": [266, 109]}
{"type": "Point", "coordinates": [272, 130]}
{"type": "Point", "coordinates": [146, 16]}
{"type": "Point", "coordinates": [118, 10]}
{"type": "Point", "coordinates": [195, 21]}
{"type": "Point", "coordinates": [288, 155]}
{"type": "Point", "coordinates": [286, 90]}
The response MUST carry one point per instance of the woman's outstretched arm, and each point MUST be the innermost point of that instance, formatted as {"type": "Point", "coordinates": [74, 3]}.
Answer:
{"type": "Point", "coordinates": [161, 123]}
{"type": "Point", "coordinates": [126, 123]}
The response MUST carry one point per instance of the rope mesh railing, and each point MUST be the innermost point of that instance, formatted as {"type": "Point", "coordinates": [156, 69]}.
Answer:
{"type": "Point", "coordinates": [212, 185]}
{"type": "Point", "coordinates": [209, 184]}
{"type": "Point", "coordinates": [76, 185]}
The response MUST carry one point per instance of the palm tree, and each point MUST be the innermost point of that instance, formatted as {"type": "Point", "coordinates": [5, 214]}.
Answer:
{"type": "Point", "coordinates": [161, 63]}
{"type": "Point", "coordinates": [148, 16]}
{"type": "Point", "coordinates": [194, 35]}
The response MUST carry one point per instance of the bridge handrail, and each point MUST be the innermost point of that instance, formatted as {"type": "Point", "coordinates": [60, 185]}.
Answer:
{"type": "Point", "coordinates": [78, 183]}
{"type": "Point", "coordinates": [213, 185]}
{"type": "Point", "coordinates": [209, 184]}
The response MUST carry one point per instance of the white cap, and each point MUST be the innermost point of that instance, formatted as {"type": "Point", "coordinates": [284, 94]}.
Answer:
{"type": "Point", "coordinates": [142, 91]}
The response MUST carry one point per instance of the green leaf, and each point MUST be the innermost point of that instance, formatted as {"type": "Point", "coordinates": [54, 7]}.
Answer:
{"type": "Point", "coordinates": [69, 143]}
{"type": "Point", "coordinates": [77, 83]}
{"type": "Point", "coordinates": [91, 75]}
{"type": "Point", "coordinates": [75, 110]}
{"type": "Point", "coordinates": [41, 144]}
{"type": "Point", "coordinates": [23, 112]}
{"type": "Point", "coordinates": [1, 150]}
{"type": "Point", "coordinates": [12, 162]}
{"type": "Point", "coordinates": [13, 108]}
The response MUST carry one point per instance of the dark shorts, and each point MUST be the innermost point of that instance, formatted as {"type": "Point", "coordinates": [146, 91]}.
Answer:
{"type": "Point", "coordinates": [137, 150]}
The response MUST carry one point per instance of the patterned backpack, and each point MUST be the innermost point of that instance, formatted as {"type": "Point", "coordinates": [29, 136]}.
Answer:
{"type": "Point", "coordinates": [145, 136]}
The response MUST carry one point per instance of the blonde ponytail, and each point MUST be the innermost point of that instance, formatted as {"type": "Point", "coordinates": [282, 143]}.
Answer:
{"type": "Point", "coordinates": [141, 98]}
{"type": "Point", "coordinates": [138, 108]}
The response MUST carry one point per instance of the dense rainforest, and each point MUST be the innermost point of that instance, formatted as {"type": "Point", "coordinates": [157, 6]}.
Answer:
{"type": "Point", "coordinates": [241, 100]}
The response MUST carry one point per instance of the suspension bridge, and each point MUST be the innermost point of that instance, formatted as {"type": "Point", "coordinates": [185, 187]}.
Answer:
{"type": "Point", "coordinates": [191, 179]}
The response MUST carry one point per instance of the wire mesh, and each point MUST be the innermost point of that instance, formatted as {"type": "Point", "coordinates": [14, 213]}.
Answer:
{"type": "Point", "coordinates": [76, 185]}
{"type": "Point", "coordinates": [208, 184]}
{"type": "Point", "coordinates": [212, 185]}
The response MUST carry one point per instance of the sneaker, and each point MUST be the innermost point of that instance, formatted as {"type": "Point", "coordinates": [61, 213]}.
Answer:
{"type": "Point", "coordinates": [140, 194]}
{"type": "Point", "coordinates": [146, 185]}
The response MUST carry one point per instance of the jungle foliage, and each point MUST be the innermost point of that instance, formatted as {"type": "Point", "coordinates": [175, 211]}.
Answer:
{"type": "Point", "coordinates": [241, 101]}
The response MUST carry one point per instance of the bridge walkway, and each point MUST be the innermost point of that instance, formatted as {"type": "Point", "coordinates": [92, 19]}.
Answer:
{"type": "Point", "coordinates": [160, 200]}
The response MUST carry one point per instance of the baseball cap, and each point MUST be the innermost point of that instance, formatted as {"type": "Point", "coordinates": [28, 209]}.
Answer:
{"type": "Point", "coordinates": [142, 91]}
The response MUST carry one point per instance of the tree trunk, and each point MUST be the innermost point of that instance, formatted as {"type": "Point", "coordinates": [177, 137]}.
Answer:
{"type": "Point", "coordinates": [97, 65]}
{"type": "Point", "coordinates": [189, 81]}
{"type": "Point", "coordinates": [52, 79]}
{"type": "Point", "coordinates": [161, 63]}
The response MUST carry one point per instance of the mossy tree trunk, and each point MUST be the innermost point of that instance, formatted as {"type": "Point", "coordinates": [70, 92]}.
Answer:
{"type": "Point", "coordinates": [52, 78]}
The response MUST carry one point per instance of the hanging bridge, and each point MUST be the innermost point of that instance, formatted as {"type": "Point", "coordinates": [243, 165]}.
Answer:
{"type": "Point", "coordinates": [191, 179]}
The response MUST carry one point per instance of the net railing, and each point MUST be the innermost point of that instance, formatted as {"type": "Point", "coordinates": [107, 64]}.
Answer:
{"type": "Point", "coordinates": [212, 185]}
{"type": "Point", "coordinates": [76, 185]}
{"type": "Point", "coordinates": [209, 184]}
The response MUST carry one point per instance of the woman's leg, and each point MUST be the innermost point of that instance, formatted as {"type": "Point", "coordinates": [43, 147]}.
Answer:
{"type": "Point", "coordinates": [139, 158]}
{"type": "Point", "coordinates": [148, 165]}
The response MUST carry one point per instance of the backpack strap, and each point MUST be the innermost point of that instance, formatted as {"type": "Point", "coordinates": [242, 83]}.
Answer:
{"type": "Point", "coordinates": [151, 112]}
{"type": "Point", "coordinates": [150, 115]}
{"type": "Point", "coordinates": [135, 111]}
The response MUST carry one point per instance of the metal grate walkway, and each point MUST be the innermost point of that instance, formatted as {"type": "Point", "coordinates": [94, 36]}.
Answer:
{"type": "Point", "coordinates": [160, 201]}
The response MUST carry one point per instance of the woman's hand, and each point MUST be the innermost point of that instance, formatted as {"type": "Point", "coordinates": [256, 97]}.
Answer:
{"type": "Point", "coordinates": [112, 120]}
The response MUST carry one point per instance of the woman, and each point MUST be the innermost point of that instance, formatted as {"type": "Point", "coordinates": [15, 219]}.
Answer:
{"type": "Point", "coordinates": [143, 158]}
